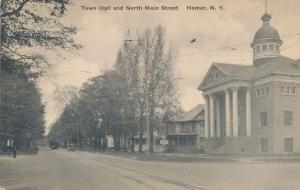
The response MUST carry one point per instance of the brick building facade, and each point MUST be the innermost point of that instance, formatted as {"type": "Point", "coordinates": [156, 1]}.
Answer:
{"type": "Point", "coordinates": [254, 109]}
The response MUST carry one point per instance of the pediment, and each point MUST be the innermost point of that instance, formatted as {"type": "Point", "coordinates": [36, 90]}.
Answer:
{"type": "Point", "coordinates": [213, 75]}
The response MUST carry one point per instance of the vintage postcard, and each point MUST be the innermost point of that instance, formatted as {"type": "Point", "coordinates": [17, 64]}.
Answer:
{"type": "Point", "coordinates": [150, 95]}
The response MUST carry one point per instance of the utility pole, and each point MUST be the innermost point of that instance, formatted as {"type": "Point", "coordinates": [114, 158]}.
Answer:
{"type": "Point", "coordinates": [147, 123]}
{"type": "Point", "coordinates": [147, 103]}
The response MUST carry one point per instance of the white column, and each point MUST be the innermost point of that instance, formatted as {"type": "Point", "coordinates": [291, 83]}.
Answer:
{"type": "Point", "coordinates": [218, 117]}
{"type": "Point", "coordinates": [248, 112]}
{"type": "Point", "coordinates": [228, 119]}
{"type": "Point", "coordinates": [206, 113]}
{"type": "Point", "coordinates": [212, 116]}
{"type": "Point", "coordinates": [235, 113]}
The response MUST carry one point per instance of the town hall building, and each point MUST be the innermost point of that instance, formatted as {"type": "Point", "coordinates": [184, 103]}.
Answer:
{"type": "Point", "coordinates": [254, 109]}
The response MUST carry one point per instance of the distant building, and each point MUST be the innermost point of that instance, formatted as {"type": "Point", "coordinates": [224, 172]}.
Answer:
{"type": "Point", "coordinates": [184, 131]}
{"type": "Point", "coordinates": [254, 109]}
{"type": "Point", "coordinates": [6, 142]}
{"type": "Point", "coordinates": [157, 146]}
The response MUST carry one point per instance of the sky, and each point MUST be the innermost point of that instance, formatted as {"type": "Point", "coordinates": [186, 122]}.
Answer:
{"type": "Point", "coordinates": [221, 36]}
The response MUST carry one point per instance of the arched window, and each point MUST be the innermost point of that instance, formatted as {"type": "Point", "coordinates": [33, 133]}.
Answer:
{"type": "Point", "coordinates": [258, 50]}
{"type": "Point", "coordinates": [216, 75]}
{"type": "Point", "coordinates": [264, 47]}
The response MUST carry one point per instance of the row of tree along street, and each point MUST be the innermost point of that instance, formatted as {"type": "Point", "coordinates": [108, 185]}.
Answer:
{"type": "Point", "coordinates": [26, 24]}
{"type": "Point", "coordinates": [123, 102]}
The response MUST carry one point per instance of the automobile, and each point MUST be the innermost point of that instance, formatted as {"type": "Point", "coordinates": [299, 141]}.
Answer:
{"type": "Point", "coordinates": [54, 145]}
{"type": "Point", "coordinates": [71, 147]}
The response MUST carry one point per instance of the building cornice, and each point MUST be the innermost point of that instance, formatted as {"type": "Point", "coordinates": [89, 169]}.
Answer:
{"type": "Point", "coordinates": [277, 78]}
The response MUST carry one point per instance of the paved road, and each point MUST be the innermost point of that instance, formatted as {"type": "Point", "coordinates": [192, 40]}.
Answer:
{"type": "Point", "coordinates": [62, 170]}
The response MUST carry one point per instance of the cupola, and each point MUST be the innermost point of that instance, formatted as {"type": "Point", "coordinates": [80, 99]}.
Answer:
{"type": "Point", "coordinates": [266, 43]}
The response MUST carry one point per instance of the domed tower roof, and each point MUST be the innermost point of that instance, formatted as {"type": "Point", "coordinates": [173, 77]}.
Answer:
{"type": "Point", "coordinates": [266, 43]}
{"type": "Point", "coordinates": [266, 31]}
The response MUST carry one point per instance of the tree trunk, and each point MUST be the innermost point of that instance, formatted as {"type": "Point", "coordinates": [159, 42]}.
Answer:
{"type": "Point", "coordinates": [118, 142]}
{"type": "Point", "coordinates": [151, 149]}
{"type": "Point", "coordinates": [141, 143]}
{"type": "Point", "coordinates": [132, 142]}
{"type": "Point", "coordinates": [95, 143]}
{"type": "Point", "coordinates": [151, 130]}
{"type": "Point", "coordinates": [115, 141]}
{"type": "Point", "coordinates": [125, 143]}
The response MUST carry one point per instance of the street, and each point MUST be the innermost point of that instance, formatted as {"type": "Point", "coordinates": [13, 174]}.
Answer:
{"type": "Point", "coordinates": [59, 169]}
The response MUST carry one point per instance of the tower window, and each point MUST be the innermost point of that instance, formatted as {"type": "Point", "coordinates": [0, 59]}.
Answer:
{"type": "Point", "coordinates": [287, 90]}
{"type": "Point", "coordinates": [277, 47]}
{"type": "Point", "coordinates": [258, 49]}
{"type": "Point", "coordinates": [267, 90]}
{"type": "Point", "coordinates": [294, 90]}
{"type": "Point", "coordinates": [264, 48]}
{"type": "Point", "coordinates": [271, 46]}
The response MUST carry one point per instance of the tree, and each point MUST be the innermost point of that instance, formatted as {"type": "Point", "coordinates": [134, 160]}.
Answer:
{"type": "Point", "coordinates": [148, 70]}
{"type": "Point", "coordinates": [66, 95]}
{"type": "Point", "coordinates": [98, 111]}
{"type": "Point", "coordinates": [105, 97]}
{"type": "Point", "coordinates": [23, 27]}
{"type": "Point", "coordinates": [27, 27]}
{"type": "Point", "coordinates": [141, 86]}
{"type": "Point", "coordinates": [128, 66]}
{"type": "Point", "coordinates": [21, 109]}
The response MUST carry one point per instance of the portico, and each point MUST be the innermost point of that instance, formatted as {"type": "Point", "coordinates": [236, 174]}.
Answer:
{"type": "Point", "coordinates": [227, 111]}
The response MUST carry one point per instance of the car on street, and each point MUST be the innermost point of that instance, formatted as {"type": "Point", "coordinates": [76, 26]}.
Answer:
{"type": "Point", "coordinates": [71, 147]}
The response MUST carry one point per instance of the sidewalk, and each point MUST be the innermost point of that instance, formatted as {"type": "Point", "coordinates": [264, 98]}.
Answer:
{"type": "Point", "coordinates": [180, 157]}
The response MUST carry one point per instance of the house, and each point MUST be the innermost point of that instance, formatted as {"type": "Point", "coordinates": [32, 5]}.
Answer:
{"type": "Point", "coordinates": [185, 130]}
{"type": "Point", "coordinates": [254, 109]}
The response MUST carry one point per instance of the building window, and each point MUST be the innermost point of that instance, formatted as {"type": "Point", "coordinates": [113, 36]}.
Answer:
{"type": "Point", "coordinates": [277, 47]}
{"type": "Point", "coordinates": [258, 49]}
{"type": "Point", "coordinates": [193, 142]}
{"type": "Point", "coordinates": [264, 48]}
{"type": "Point", "coordinates": [288, 90]}
{"type": "Point", "coordinates": [216, 75]}
{"type": "Point", "coordinates": [263, 145]}
{"type": "Point", "coordinates": [262, 92]}
{"type": "Point", "coordinates": [263, 119]}
{"type": "Point", "coordinates": [294, 90]}
{"type": "Point", "coordinates": [288, 118]}
{"type": "Point", "coordinates": [193, 129]}
{"type": "Point", "coordinates": [271, 47]}
{"type": "Point", "coordinates": [288, 145]}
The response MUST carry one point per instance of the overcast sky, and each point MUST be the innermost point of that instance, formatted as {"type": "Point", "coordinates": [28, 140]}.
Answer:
{"type": "Point", "coordinates": [101, 34]}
